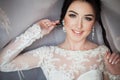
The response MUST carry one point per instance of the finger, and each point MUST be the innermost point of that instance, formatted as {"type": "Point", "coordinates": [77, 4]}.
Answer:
{"type": "Point", "coordinates": [51, 23]}
{"type": "Point", "coordinates": [108, 54]}
{"type": "Point", "coordinates": [57, 21]}
{"type": "Point", "coordinates": [54, 24]}
{"type": "Point", "coordinates": [51, 28]}
{"type": "Point", "coordinates": [47, 23]}
{"type": "Point", "coordinates": [117, 61]}
{"type": "Point", "coordinates": [42, 24]}
{"type": "Point", "coordinates": [106, 57]}
{"type": "Point", "coordinates": [112, 57]}
{"type": "Point", "coordinates": [109, 57]}
{"type": "Point", "coordinates": [114, 61]}
{"type": "Point", "coordinates": [117, 58]}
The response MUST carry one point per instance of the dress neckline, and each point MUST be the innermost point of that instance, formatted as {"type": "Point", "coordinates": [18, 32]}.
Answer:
{"type": "Point", "coordinates": [76, 51]}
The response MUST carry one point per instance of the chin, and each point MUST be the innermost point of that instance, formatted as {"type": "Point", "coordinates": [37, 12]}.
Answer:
{"type": "Point", "coordinates": [77, 39]}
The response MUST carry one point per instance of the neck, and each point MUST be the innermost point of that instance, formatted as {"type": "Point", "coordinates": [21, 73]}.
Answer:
{"type": "Point", "coordinates": [74, 45]}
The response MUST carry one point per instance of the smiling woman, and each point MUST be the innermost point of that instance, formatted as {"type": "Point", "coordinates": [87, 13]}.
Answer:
{"type": "Point", "coordinates": [75, 58]}
{"type": "Point", "coordinates": [79, 21]}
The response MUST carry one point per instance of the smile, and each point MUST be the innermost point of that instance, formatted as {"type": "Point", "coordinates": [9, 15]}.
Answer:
{"type": "Point", "coordinates": [78, 33]}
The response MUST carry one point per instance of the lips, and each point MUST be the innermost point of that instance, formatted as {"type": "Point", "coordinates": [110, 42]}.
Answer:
{"type": "Point", "coordinates": [78, 33]}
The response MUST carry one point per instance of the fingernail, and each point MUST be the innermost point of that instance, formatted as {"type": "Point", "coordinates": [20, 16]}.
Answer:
{"type": "Point", "coordinates": [110, 61]}
{"type": "Point", "coordinates": [113, 62]}
{"type": "Point", "coordinates": [107, 57]}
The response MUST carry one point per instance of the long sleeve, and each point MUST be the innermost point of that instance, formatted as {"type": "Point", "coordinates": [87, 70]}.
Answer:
{"type": "Point", "coordinates": [112, 77]}
{"type": "Point", "coordinates": [13, 49]}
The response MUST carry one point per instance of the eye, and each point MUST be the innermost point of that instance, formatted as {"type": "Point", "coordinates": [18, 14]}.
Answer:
{"type": "Point", "coordinates": [88, 18]}
{"type": "Point", "coordinates": [72, 15]}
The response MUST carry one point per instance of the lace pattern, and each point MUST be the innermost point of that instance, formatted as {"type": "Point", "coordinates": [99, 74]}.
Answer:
{"type": "Point", "coordinates": [112, 77]}
{"type": "Point", "coordinates": [21, 42]}
{"type": "Point", "coordinates": [71, 63]}
{"type": "Point", "coordinates": [56, 63]}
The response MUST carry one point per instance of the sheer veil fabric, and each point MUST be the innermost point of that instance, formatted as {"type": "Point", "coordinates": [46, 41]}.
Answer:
{"type": "Point", "coordinates": [19, 24]}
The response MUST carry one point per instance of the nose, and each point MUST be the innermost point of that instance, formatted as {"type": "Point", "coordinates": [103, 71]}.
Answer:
{"type": "Point", "coordinates": [79, 24]}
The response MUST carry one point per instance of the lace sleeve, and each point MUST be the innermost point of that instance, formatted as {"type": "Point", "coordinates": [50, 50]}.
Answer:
{"type": "Point", "coordinates": [111, 76]}
{"type": "Point", "coordinates": [11, 51]}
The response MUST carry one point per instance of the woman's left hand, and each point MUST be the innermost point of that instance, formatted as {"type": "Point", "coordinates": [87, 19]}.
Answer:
{"type": "Point", "coordinates": [112, 63]}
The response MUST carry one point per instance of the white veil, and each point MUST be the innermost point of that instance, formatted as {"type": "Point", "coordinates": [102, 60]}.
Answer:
{"type": "Point", "coordinates": [19, 15]}
{"type": "Point", "coordinates": [111, 22]}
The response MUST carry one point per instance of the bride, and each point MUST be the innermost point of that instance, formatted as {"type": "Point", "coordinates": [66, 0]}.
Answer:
{"type": "Point", "coordinates": [74, 59]}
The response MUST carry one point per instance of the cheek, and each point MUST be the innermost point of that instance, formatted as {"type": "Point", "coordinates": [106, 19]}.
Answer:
{"type": "Point", "coordinates": [68, 23]}
{"type": "Point", "coordinates": [89, 27]}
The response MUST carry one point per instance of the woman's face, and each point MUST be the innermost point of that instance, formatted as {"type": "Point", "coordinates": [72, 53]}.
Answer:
{"type": "Point", "coordinates": [79, 20]}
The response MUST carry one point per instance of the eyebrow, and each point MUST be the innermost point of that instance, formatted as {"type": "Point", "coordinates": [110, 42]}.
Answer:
{"type": "Point", "coordinates": [85, 15]}
{"type": "Point", "coordinates": [73, 12]}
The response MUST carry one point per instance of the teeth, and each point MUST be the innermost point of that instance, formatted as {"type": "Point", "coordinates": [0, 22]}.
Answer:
{"type": "Point", "coordinates": [77, 32]}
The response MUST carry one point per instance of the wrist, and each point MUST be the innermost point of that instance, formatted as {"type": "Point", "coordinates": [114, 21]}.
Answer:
{"type": "Point", "coordinates": [113, 76]}
{"type": "Point", "coordinates": [38, 30]}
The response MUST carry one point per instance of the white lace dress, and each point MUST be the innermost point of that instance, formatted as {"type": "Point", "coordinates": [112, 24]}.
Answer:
{"type": "Point", "coordinates": [56, 63]}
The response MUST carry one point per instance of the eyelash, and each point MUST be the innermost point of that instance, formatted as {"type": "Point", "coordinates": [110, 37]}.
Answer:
{"type": "Point", "coordinates": [88, 18]}
{"type": "Point", "coordinates": [72, 15]}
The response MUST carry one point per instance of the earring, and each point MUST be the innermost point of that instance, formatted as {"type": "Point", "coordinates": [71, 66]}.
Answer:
{"type": "Point", "coordinates": [93, 33]}
{"type": "Point", "coordinates": [63, 22]}
{"type": "Point", "coordinates": [64, 29]}
{"type": "Point", "coordinates": [63, 26]}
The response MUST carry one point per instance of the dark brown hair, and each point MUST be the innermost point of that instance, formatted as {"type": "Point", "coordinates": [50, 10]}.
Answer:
{"type": "Point", "coordinates": [96, 4]}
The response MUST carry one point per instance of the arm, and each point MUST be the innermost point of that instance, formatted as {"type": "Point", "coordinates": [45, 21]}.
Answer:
{"type": "Point", "coordinates": [21, 42]}
{"type": "Point", "coordinates": [10, 60]}
{"type": "Point", "coordinates": [26, 61]}
{"type": "Point", "coordinates": [14, 48]}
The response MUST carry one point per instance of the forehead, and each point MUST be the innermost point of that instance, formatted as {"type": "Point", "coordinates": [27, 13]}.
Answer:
{"type": "Point", "coordinates": [81, 6]}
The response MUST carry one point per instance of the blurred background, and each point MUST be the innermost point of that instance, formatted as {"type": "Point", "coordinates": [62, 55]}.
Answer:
{"type": "Point", "coordinates": [17, 15]}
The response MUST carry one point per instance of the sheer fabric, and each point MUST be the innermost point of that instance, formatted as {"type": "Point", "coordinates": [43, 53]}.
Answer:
{"type": "Point", "coordinates": [56, 63]}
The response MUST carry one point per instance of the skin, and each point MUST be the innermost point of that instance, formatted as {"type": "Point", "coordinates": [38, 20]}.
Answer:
{"type": "Point", "coordinates": [78, 22]}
